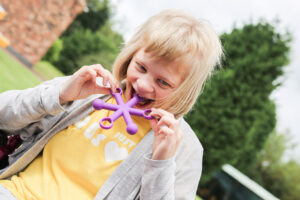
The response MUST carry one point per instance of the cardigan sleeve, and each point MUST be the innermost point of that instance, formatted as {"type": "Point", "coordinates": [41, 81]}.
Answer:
{"type": "Point", "coordinates": [18, 108]}
{"type": "Point", "coordinates": [177, 177]}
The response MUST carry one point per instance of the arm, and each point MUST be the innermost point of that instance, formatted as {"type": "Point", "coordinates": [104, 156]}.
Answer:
{"type": "Point", "coordinates": [158, 179]}
{"type": "Point", "coordinates": [189, 171]}
{"type": "Point", "coordinates": [19, 108]}
{"type": "Point", "coordinates": [166, 180]}
{"type": "Point", "coordinates": [175, 177]}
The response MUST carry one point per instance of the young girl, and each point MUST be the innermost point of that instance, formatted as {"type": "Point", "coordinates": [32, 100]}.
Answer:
{"type": "Point", "coordinates": [66, 155]}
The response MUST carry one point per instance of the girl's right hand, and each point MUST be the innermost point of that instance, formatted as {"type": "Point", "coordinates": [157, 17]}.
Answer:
{"type": "Point", "coordinates": [83, 83]}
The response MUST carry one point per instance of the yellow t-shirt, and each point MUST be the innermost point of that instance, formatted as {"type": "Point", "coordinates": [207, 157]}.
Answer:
{"type": "Point", "coordinates": [77, 161]}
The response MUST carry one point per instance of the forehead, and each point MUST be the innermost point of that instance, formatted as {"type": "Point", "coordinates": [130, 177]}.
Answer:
{"type": "Point", "coordinates": [173, 70]}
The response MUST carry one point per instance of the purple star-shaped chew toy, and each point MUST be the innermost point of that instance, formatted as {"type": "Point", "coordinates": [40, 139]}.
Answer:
{"type": "Point", "coordinates": [122, 109]}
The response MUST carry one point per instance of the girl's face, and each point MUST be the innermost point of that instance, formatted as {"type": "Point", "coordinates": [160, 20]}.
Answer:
{"type": "Point", "coordinates": [152, 78]}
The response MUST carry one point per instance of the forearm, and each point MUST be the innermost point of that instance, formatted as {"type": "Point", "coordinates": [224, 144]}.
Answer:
{"type": "Point", "coordinates": [18, 108]}
{"type": "Point", "coordinates": [174, 178]}
{"type": "Point", "coordinates": [158, 179]}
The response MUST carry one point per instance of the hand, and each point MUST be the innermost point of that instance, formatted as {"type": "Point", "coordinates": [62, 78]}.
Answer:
{"type": "Point", "coordinates": [83, 83]}
{"type": "Point", "coordinates": [167, 134]}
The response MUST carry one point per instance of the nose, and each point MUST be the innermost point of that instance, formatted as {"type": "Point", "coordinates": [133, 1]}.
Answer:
{"type": "Point", "coordinates": [144, 85]}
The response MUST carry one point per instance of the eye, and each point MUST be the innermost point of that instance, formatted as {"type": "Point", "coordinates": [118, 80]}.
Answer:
{"type": "Point", "coordinates": [163, 83]}
{"type": "Point", "coordinates": [141, 68]}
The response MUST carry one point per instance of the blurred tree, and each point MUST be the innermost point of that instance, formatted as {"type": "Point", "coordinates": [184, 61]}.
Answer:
{"type": "Point", "coordinates": [53, 53]}
{"type": "Point", "coordinates": [234, 115]}
{"type": "Point", "coordinates": [110, 47]}
{"type": "Point", "coordinates": [95, 16]}
{"type": "Point", "coordinates": [270, 170]}
{"type": "Point", "coordinates": [88, 40]}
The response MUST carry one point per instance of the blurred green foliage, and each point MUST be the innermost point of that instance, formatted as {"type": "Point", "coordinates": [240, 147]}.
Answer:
{"type": "Point", "coordinates": [54, 52]}
{"type": "Point", "coordinates": [197, 198]}
{"type": "Point", "coordinates": [47, 70]}
{"type": "Point", "coordinates": [96, 15]}
{"type": "Point", "coordinates": [90, 39]}
{"type": "Point", "coordinates": [281, 178]}
{"type": "Point", "coordinates": [234, 115]}
{"type": "Point", "coordinates": [110, 42]}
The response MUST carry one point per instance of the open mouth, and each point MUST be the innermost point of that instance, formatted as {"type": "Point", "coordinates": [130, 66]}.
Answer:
{"type": "Point", "coordinates": [144, 102]}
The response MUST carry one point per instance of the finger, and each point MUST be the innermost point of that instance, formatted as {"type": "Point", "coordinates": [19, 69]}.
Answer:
{"type": "Point", "coordinates": [105, 80]}
{"type": "Point", "coordinates": [106, 75]}
{"type": "Point", "coordinates": [171, 136]}
{"type": "Point", "coordinates": [93, 75]}
{"type": "Point", "coordinates": [165, 117]}
{"type": "Point", "coordinates": [168, 135]}
{"type": "Point", "coordinates": [166, 131]}
{"type": "Point", "coordinates": [85, 74]}
{"type": "Point", "coordinates": [154, 115]}
{"type": "Point", "coordinates": [109, 79]}
{"type": "Point", "coordinates": [90, 74]}
{"type": "Point", "coordinates": [99, 69]}
{"type": "Point", "coordinates": [168, 121]}
{"type": "Point", "coordinates": [160, 112]}
{"type": "Point", "coordinates": [153, 123]}
{"type": "Point", "coordinates": [102, 90]}
{"type": "Point", "coordinates": [113, 82]}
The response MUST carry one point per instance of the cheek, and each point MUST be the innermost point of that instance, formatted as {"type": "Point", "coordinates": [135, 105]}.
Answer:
{"type": "Point", "coordinates": [131, 74]}
{"type": "Point", "coordinates": [160, 94]}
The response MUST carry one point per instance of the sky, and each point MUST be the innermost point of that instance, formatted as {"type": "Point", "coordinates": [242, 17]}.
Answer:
{"type": "Point", "coordinates": [224, 14]}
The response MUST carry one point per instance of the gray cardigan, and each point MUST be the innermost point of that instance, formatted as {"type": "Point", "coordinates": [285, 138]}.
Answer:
{"type": "Point", "coordinates": [36, 115]}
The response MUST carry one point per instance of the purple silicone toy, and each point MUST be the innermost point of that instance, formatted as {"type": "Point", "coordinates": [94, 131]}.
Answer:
{"type": "Point", "coordinates": [122, 109]}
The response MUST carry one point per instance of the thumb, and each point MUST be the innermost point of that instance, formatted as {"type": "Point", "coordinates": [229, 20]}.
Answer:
{"type": "Point", "coordinates": [102, 90]}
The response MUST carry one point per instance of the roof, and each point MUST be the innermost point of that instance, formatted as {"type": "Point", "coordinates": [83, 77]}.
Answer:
{"type": "Point", "coordinates": [248, 183]}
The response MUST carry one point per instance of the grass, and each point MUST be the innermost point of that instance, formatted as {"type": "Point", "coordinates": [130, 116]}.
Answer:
{"type": "Point", "coordinates": [13, 75]}
{"type": "Point", "coordinates": [198, 198]}
{"type": "Point", "coordinates": [47, 70]}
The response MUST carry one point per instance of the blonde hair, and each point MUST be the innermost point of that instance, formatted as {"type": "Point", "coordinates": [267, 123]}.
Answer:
{"type": "Point", "coordinates": [171, 35]}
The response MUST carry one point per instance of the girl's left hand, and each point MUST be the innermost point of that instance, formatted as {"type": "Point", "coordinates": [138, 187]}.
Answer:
{"type": "Point", "coordinates": [167, 134]}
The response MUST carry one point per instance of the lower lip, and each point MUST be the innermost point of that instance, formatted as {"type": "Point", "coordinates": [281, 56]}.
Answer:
{"type": "Point", "coordinates": [142, 106]}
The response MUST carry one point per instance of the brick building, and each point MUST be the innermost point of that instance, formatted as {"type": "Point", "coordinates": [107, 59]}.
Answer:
{"type": "Point", "coordinates": [31, 26]}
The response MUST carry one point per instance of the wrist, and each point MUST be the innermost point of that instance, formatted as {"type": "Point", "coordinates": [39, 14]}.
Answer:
{"type": "Point", "coordinates": [62, 101]}
{"type": "Point", "coordinates": [161, 156]}
{"type": "Point", "coordinates": [62, 98]}
{"type": "Point", "coordinates": [148, 161]}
